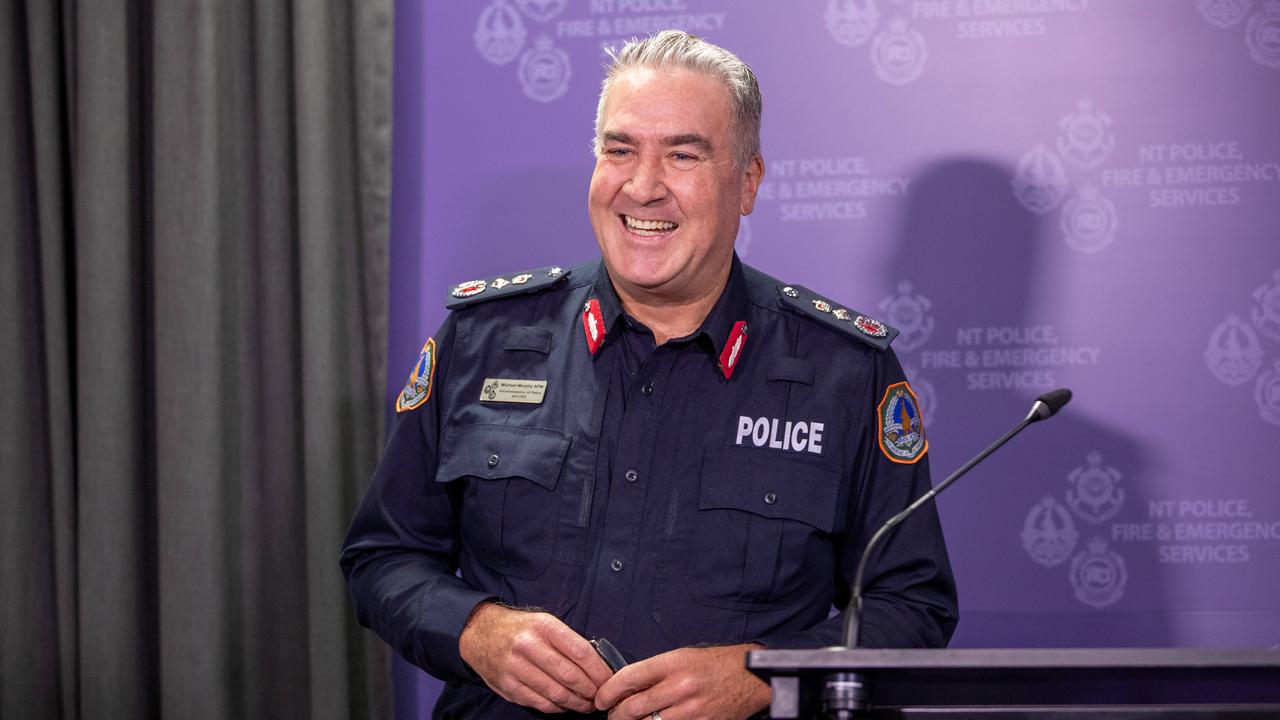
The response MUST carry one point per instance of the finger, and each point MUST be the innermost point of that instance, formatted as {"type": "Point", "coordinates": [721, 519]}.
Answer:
{"type": "Point", "coordinates": [540, 648]}
{"type": "Point", "coordinates": [631, 679]}
{"type": "Point", "coordinates": [643, 704]}
{"type": "Point", "coordinates": [549, 689]}
{"type": "Point", "coordinates": [543, 675]}
{"type": "Point", "coordinates": [524, 695]}
{"type": "Point", "coordinates": [576, 648]}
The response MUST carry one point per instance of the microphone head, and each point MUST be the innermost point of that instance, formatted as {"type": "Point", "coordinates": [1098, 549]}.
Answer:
{"type": "Point", "coordinates": [1048, 404]}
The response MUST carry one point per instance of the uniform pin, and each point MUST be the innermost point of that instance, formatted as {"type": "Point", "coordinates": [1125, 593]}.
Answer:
{"type": "Point", "coordinates": [467, 289]}
{"type": "Point", "coordinates": [822, 305]}
{"type": "Point", "coordinates": [842, 314]}
{"type": "Point", "coordinates": [870, 326]}
{"type": "Point", "coordinates": [521, 278]}
{"type": "Point", "coordinates": [555, 272]}
{"type": "Point", "coordinates": [499, 283]}
{"type": "Point", "coordinates": [790, 292]}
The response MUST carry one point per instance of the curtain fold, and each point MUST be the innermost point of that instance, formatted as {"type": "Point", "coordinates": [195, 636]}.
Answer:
{"type": "Point", "coordinates": [192, 329]}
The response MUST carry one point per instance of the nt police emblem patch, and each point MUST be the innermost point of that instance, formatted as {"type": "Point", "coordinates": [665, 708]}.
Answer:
{"type": "Point", "coordinates": [901, 433]}
{"type": "Point", "coordinates": [418, 389]}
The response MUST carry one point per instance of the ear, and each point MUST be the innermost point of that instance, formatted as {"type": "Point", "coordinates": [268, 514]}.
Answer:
{"type": "Point", "coordinates": [754, 174]}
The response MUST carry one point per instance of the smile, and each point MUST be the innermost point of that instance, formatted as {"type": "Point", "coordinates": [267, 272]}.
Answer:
{"type": "Point", "coordinates": [648, 228]}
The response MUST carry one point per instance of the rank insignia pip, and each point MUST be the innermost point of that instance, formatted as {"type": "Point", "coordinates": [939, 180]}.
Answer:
{"type": "Point", "coordinates": [418, 389]}
{"type": "Point", "coordinates": [901, 426]}
{"type": "Point", "coordinates": [469, 288]}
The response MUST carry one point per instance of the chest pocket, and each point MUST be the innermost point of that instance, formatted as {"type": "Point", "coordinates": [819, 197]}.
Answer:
{"type": "Point", "coordinates": [509, 503]}
{"type": "Point", "coordinates": [762, 531]}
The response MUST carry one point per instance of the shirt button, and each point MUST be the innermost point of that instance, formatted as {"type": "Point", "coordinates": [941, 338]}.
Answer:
{"type": "Point", "coordinates": [493, 461]}
{"type": "Point", "coordinates": [631, 475]}
{"type": "Point", "coordinates": [647, 389]}
{"type": "Point", "coordinates": [616, 565]}
{"type": "Point", "coordinates": [770, 498]}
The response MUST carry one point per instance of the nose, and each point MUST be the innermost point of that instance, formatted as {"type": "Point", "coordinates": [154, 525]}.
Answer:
{"type": "Point", "coordinates": [647, 184]}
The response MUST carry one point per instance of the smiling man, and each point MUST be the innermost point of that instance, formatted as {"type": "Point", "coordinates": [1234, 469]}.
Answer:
{"type": "Point", "coordinates": [664, 448]}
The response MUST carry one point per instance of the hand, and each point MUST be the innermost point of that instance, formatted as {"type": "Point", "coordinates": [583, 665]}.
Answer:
{"type": "Point", "coordinates": [532, 659]}
{"type": "Point", "coordinates": [703, 683]}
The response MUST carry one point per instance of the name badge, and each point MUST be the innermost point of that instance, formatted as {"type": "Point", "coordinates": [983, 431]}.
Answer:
{"type": "Point", "coordinates": [513, 391]}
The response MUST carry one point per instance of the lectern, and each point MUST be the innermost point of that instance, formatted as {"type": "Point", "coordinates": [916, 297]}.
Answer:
{"type": "Point", "coordinates": [1031, 684]}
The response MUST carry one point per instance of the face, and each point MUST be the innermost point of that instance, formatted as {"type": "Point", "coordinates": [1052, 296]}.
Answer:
{"type": "Point", "coordinates": [665, 197]}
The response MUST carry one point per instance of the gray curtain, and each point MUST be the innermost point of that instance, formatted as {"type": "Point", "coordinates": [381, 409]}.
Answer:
{"type": "Point", "coordinates": [194, 203]}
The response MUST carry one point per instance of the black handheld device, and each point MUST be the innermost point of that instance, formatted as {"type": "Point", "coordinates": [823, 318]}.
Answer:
{"type": "Point", "coordinates": [609, 654]}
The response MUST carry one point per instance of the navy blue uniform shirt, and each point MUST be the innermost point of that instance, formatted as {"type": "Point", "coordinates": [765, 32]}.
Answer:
{"type": "Point", "coordinates": [715, 489]}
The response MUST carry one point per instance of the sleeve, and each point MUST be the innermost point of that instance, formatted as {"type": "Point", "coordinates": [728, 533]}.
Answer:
{"type": "Point", "coordinates": [909, 597]}
{"type": "Point", "coordinates": [400, 556]}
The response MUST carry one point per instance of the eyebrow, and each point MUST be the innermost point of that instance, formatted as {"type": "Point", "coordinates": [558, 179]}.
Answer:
{"type": "Point", "coordinates": [694, 139]}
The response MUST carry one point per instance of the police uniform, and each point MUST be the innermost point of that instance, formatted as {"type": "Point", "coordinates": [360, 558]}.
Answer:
{"type": "Point", "coordinates": [715, 489]}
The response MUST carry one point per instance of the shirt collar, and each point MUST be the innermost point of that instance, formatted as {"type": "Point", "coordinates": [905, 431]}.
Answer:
{"type": "Point", "coordinates": [723, 332]}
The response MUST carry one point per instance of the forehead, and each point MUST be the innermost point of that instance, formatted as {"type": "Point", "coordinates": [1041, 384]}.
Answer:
{"type": "Point", "coordinates": [663, 101]}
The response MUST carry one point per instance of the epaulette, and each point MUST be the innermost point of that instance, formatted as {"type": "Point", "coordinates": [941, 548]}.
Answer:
{"type": "Point", "coordinates": [477, 291]}
{"type": "Point", "coordinates": [806, 302]}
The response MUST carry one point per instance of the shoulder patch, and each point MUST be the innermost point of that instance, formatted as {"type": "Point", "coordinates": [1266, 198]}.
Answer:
{"type": "Point", "coordinates": [477, 291]}
{"type": "Point", "coordinates": [804, 301]}
{"type": "Point", "coordinates": [418, 389]}
{"type": "Point", "coordinates": [901, 426]}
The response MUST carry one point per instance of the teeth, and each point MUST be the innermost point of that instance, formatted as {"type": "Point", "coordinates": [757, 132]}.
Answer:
{"type": "Point", "coordinates": [651, 225]}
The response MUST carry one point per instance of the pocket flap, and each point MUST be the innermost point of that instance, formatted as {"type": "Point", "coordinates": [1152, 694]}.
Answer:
{"type": "Point", "coordinates": [792, 491]}
{"type": "Point", "coordinates": [493, 452]}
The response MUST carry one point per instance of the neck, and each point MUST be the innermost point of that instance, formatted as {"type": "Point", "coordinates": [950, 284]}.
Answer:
{"type": "Point", "coordinates": [670, 318]}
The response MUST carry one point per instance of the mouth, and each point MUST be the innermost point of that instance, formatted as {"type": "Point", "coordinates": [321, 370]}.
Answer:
{"type": "Point", "coordinates": [647, 228]}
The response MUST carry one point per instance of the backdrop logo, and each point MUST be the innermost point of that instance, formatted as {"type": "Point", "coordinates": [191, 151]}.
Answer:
{"type": "Point", "coordinates": [1089, 221]}
{"type": "Point", "coordinates": [909, 313]}
{"type": "Point", "coordinates": [1040, 181]}
{"type": "Point", "coordinates": [1086, 140]}
{"type": "Point", "coordinates": [1262, 35]}
{"type": "Point", "coordinates": [1267, 395]}
{"type": "Point", "coordinates": [1234, 354]}
{"type": "Point", "coordinates": [1098, 576]}
{"type": "Point", "coordinates": [1224, 13]}
{"type": "Point", "coordinates": [544, 71]}
{"type": "Point", "coordinates": [1266, 315]}
{"type": "Point", "coordinates": [499, 33]}
{"type": "Point", "coordinates": [851, 22]}
{"type": "Point", "coordinates": [899, 54]}
{"type": "Point", "coordinates": [542, 10]}
{"type": "Point", "coordinates": [1095, 494]}
{"type": "Point", "coordinates": [1049, 534]}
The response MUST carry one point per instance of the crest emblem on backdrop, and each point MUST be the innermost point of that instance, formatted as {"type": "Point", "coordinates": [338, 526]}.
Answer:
{"type": "Point", "coordinates": [1040, 181]}
{"type": "Point", "coordinates": [899, 54]}
{"type": "Point", "coordinates": [1049, 534]}
{"type": "Point", "coordinates": [1098, 576]}
{"type": "Point", "coordinates": [500, 33]}
{"type": "Point", "coordinates": [1086, 140]}
{"type": "Point", "coordinates": [1095, 494]}
{"type": "Point", "coordinates": [1262, 35]}
{"type": "Point", "coordinates": [1223, 13]}
{"type": "Point", "coordinates": [544, 71]}
{"type": "Point", "coordinates": [908, 313]}
{"type": "Point", "coordinates": [851, 22]}
{"type": "Point", "coordinates": [542, 10]}
{"type": "Point", "coordinates": [1234, 354]}
{"type": "Point", "coordinates": [1089, 221]}
{"type": "Point", "coordinates": [1266, 315]}
{"type": "Point", "coordinates": [1267, 395]}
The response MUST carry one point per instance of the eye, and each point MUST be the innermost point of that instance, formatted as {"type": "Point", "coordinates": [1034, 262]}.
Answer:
{"type": "Point", "coordinates": [618, 152]}
{"type": "Point", "coordinates": [684, 159]}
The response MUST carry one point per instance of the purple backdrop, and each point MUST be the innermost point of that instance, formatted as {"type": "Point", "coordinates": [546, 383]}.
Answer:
{"type": "Point", "coordinates": [1036, 192]}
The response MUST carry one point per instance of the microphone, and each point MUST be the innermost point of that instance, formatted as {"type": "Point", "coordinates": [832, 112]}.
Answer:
{"type": "Point", "coordinates": [1045, 407]}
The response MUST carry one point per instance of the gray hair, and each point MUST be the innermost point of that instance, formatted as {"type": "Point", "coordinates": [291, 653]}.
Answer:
{"type": "Point", "coordinates": [679, 49]}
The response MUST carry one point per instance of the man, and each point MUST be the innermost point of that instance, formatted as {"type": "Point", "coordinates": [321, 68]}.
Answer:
{"type": "Point", "coordinates": [666, 449]}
